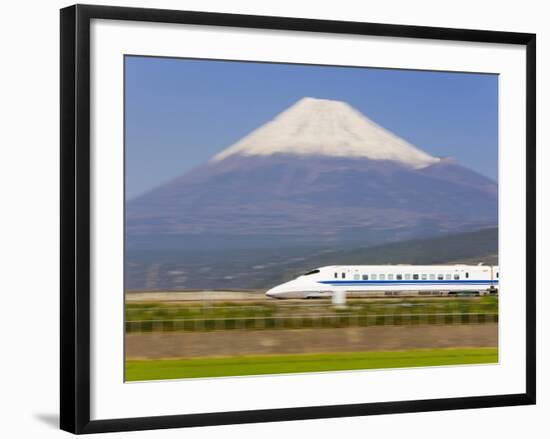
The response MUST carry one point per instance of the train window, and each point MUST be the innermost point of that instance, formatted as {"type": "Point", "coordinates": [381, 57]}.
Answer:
{"type": "Point", "coordinates": [335, 275]}
{"type": "Point", "coordinates": [382, 277]}
{"type": "Point", "coordinates": [432, 276]}
{"type": "Point", "coordinates": [390, 276]}
{"type": "Point", "coordinates": [399, 276]}
{"type": "Point", "coordinates": [407, 276]}
{"type": "Point", "coordinates": [457, 276]}
{"type": "Point", "coordinates": [415, 276]}
{"type": "Point", "coordinates": [447, 277]}
{"type": "Point", "coordinates": [365, 277]}
{"type": "Point", "coordinates": [311, 272]}
{"type": "Point", "coordinates": [497, 274]}
{"type": "Point", "coordinates": [439, 277]}
{"type": "Point", "coordinates": [343, 275]}
{"type": "Point", "coordinates": [356, 277]}
{"type": "Point", "coordinates": [424, 276]}
{"type": "Point", "coordinates": [373, 276]}
{"type": "Point", "coordinates": [467, 275]}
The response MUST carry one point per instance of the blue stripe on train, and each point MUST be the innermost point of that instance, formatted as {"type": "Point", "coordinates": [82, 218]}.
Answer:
{"type": "Point", "coordinates": [409, 282]}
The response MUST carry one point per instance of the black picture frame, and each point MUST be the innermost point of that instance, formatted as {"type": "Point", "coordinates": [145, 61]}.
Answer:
{"type": "Point", "coordinates": [75, 217]}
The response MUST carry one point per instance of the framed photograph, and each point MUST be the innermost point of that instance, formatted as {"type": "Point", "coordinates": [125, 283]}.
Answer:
{"type": "Point", "coordinates": [274, 218]}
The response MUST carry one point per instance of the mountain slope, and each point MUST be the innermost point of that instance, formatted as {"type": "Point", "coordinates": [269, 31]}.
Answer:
{"type": "Point", "coordinates": [314, 198]}
{"type": "Point", "coordinates": [480, 246]}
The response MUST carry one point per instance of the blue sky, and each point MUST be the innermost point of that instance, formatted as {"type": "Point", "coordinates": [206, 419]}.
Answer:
{"type": "Point", "coordinates": [180, 112]}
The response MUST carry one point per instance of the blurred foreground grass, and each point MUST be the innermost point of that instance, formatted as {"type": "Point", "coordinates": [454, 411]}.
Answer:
{"type": "Point", "coordinates": [142, 370]}
{"type": "Point", "coordinates": [273, 314]}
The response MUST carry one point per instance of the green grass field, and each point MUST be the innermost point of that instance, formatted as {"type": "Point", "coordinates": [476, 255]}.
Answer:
{"type": "Point", "coordinates": [142, 370]}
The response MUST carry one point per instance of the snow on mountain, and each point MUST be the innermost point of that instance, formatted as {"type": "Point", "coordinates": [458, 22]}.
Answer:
{"type": "Point", "coordinates": [329, 128]}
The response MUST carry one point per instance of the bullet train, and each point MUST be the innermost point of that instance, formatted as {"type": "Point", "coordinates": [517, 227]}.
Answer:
{"type": "Point", "coordinates": [391, 280]}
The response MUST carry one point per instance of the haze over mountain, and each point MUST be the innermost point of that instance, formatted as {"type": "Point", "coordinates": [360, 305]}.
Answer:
{"type": "Point", "coordinates": [264, 268]}
{"type": "Point", "coordinates": [319, 173]}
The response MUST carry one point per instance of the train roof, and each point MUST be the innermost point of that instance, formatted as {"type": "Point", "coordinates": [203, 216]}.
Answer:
{"type": "Point", "coordinates": [406, 266]}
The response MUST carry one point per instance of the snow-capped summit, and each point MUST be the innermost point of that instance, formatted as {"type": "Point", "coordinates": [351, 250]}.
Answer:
{"type": "Point", "coordinates": [330, 128]}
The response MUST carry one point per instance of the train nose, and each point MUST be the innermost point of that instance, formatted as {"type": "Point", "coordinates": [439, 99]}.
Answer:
{"type": "Point", "coordinates": [282, 291]}
{"type": "Point", "coordinates": [270, 293]}
{"type": "Point", "coordinates": [275, 291]}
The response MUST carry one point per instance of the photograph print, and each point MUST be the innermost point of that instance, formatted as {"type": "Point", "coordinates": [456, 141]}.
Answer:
{"type": "Point", "coordinates": [291, 218]}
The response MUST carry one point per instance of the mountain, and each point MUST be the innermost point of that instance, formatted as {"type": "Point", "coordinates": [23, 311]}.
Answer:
{"type": "Point", "coordinates": [318, 173]}
{"type": "Point", "coordinates": [261, 269]}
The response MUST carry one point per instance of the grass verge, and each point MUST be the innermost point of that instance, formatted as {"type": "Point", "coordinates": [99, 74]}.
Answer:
{"type": "Point", "coordinates": [143, 370]}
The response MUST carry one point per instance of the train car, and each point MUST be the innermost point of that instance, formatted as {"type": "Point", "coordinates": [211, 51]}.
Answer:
{"type": "Point", "coordinates": [391, 280]}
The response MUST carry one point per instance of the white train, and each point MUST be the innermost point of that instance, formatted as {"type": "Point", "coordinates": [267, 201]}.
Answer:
{"type": "Point", "coordinates": [390, 280]}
